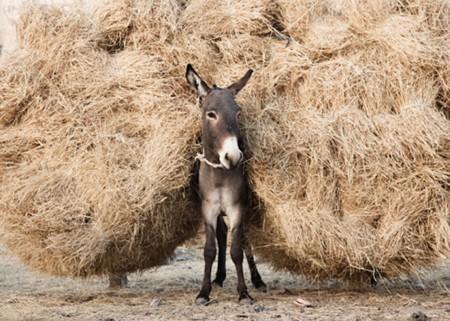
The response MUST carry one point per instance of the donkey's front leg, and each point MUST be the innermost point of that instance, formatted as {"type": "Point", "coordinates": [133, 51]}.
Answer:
{"type": "Point", "coordinates": [221, 231]}
{"type": "Point", "coordinates": [237, 254]}
{"type": "Point", "coordinates": [210, 214]}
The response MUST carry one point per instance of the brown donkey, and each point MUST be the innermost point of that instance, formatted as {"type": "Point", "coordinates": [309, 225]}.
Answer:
{"type": "Point", "coordinates": [222, 182]}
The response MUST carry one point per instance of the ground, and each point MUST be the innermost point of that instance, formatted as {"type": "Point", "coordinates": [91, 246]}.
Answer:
{"type": "Point", "coordinates": [168, 293]}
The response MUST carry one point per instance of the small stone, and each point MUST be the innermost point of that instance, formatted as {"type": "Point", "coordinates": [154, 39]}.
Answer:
{"type": "Point", "coordinates": [419, 316]}
{"type": "Point", "coordinates": [181, 255]}
{"type": "Point", "coordinates": [15, 300]}
{"type": "Point", "coordinates": [182, 258]}
{"type": "Point", "coordinates": [258, 308]}
{"type": "Point", "coordinates": [155, 302]}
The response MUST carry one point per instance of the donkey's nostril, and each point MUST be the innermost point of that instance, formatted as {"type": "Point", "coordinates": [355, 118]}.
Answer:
{"type": "Point", "coordinates": [230, 155]}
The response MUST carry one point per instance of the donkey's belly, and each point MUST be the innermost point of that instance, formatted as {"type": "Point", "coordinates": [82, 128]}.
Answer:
{"type": "Point", "coordinates": [221, 198]}
{"type": "Point", "coordinates": [223, 201]}
{"type": "Point", "coordinates": [222, 192]}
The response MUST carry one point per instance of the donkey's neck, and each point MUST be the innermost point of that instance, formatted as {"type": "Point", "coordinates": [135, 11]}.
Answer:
{"type": "Point", "coordinates": [210, 155]}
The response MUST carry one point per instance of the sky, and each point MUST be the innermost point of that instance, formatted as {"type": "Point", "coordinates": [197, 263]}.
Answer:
{"type": "Point", "coordinates": [9, 15]}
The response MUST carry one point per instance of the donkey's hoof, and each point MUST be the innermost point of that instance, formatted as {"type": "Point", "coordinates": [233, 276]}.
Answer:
{"type": "Point", "coordinates": [246, 299]}
{"type": "Point", "coordinates": [201, 300]}
{"type": "Point", "coordinates": [217, 283]}
{"type": "Point", "coordinates": [261, 287]}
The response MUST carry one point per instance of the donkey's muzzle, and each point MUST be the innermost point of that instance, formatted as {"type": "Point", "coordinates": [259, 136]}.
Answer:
{"type": "Point", "coordinates": [230, 155]}
{"type": "Point", "coordinates": [232, 161]}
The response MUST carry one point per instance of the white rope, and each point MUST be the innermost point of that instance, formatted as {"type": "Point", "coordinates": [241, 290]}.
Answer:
{"type": "Point", "coordinates": [202, 158]}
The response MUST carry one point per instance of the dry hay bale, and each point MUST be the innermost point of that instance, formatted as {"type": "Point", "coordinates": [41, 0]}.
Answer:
{"type": "Point", "coordinates": [286, 66]}
{"type": "Point", "coordinates": [238, 54]}
{"type": "Point", "coordinates": [333, 25]}
{"type": "Point", "coordinates": [52, 29]}
{"type": "Point", "coordinates": [290, 173]}
{"type": "Point", "coordinates": [22, 83]}
{"type": "Point", "coordinates": [405, 37]}
{"type": "Point", "coordinates": [299, 18]}
{"type": "Point", "coordinates": [146, 25]}
{"type": "Point", "coordinates": [335, 124]}
{"type": "Point", "coordinates": [247, 50]}
{"type": "Point", "coordinates": [187, 48]}
{"type": "Point", "coordinates": [216, 19]}
{"type": "Point", "coordinates": [114, 22]}
{"type": "Point", "coordinates": [363, 15]}
{"type": "Point", "coordinates": [97, 163]}
{"type": "Point", "coordinates": [434, 13]}
{"type": "Point", "coordinates": [375, 79]}
{"type": "Point", "coordinates": [444, 89]}
{"type": "Point", "coordinates": [16, 146]}
{"type": "Point", "coordinates": [344, 193]}
{"type": "Point", "coordinates": [394, 171]}
{"type": "Point", "coordinates": [369, 68]}
{"type": "Point", "coordinates": [434, 16]}
{"type": "Point", "coordinates": [349, 154]}
{"type": "Point", "coordinates": [328, 34]}
{"type": "Point", "coordinates": [103, 199]}
{"type": "Point", "coordinates": [296, 16]}
{"type": "Point", "coordinates": [154, 27]}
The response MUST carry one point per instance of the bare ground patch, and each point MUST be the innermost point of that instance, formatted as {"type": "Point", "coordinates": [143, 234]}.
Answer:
{"type": "Point", "coordinates": [168, 293]}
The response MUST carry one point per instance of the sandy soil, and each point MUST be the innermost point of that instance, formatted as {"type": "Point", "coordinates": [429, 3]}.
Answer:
{"type": "Point", "coordinates": [167, 293]}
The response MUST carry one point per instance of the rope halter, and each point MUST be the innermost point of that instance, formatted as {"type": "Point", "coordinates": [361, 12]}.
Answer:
{"type": "Point", "coordinates": [202, 158]}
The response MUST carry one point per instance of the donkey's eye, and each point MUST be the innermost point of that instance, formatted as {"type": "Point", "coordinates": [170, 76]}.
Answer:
{"type": "Point", "coordinates": [211, 115]}
{"type": "Point", "coordinates": [238, 115]}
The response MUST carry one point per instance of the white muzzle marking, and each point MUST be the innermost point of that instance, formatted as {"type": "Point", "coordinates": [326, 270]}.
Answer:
{"type": "Point", "coordinates": [230, 155]}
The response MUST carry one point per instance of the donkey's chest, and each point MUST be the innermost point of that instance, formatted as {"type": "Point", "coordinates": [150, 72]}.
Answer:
{"type": "Point", "coordinates": [222, 192]}
{"type": "Point", "coordinates": [221, 198]}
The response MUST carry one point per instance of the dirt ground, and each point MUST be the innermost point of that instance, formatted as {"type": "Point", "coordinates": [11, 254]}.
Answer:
{"type": "Point", "coordinates": [168, 293]}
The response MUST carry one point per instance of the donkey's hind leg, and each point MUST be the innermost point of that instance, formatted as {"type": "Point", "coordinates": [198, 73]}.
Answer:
{"type": "Point", "coordinates": [257, 281]}
{"type": "Point", "coordinates": [221, 233]}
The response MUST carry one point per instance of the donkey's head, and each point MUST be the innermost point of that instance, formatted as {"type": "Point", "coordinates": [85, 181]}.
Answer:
{"type": "Point", "coordinates": [220, 119]}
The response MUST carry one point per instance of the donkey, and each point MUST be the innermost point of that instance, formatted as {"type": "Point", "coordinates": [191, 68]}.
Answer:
{"type": "Point", "coordinates": [223, 187]}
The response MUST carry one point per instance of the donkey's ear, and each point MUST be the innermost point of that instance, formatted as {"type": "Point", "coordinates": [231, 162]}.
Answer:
{"type": "Point", "coordinates": [196, 82]}
{"type": "Point", "coordinates": [238, 85]}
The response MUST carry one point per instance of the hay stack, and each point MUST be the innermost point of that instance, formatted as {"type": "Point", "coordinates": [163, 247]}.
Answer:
{"type": "Point", "coordinates": [350, 154]}
{"type": "Point", "coordinates": [97, 151]}
{"type": "Point", "coordinates": [346, 120]}
{"type": "Point", "coordinates": [345, 193]}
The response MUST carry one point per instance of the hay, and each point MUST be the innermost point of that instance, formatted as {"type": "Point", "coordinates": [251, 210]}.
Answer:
{"type": "Point", "coordinates": [346, 121]}
{"type": "Point", "coordinates": [114, 23]}
{"type": "Point", "coordinates": [215, 19]}
{"type": "Point", "coordinates": [344, 193]}
{"type": "Point", "coordinates": [349, 152]}
{"type": "Point", "coordinates": [97, 153]}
